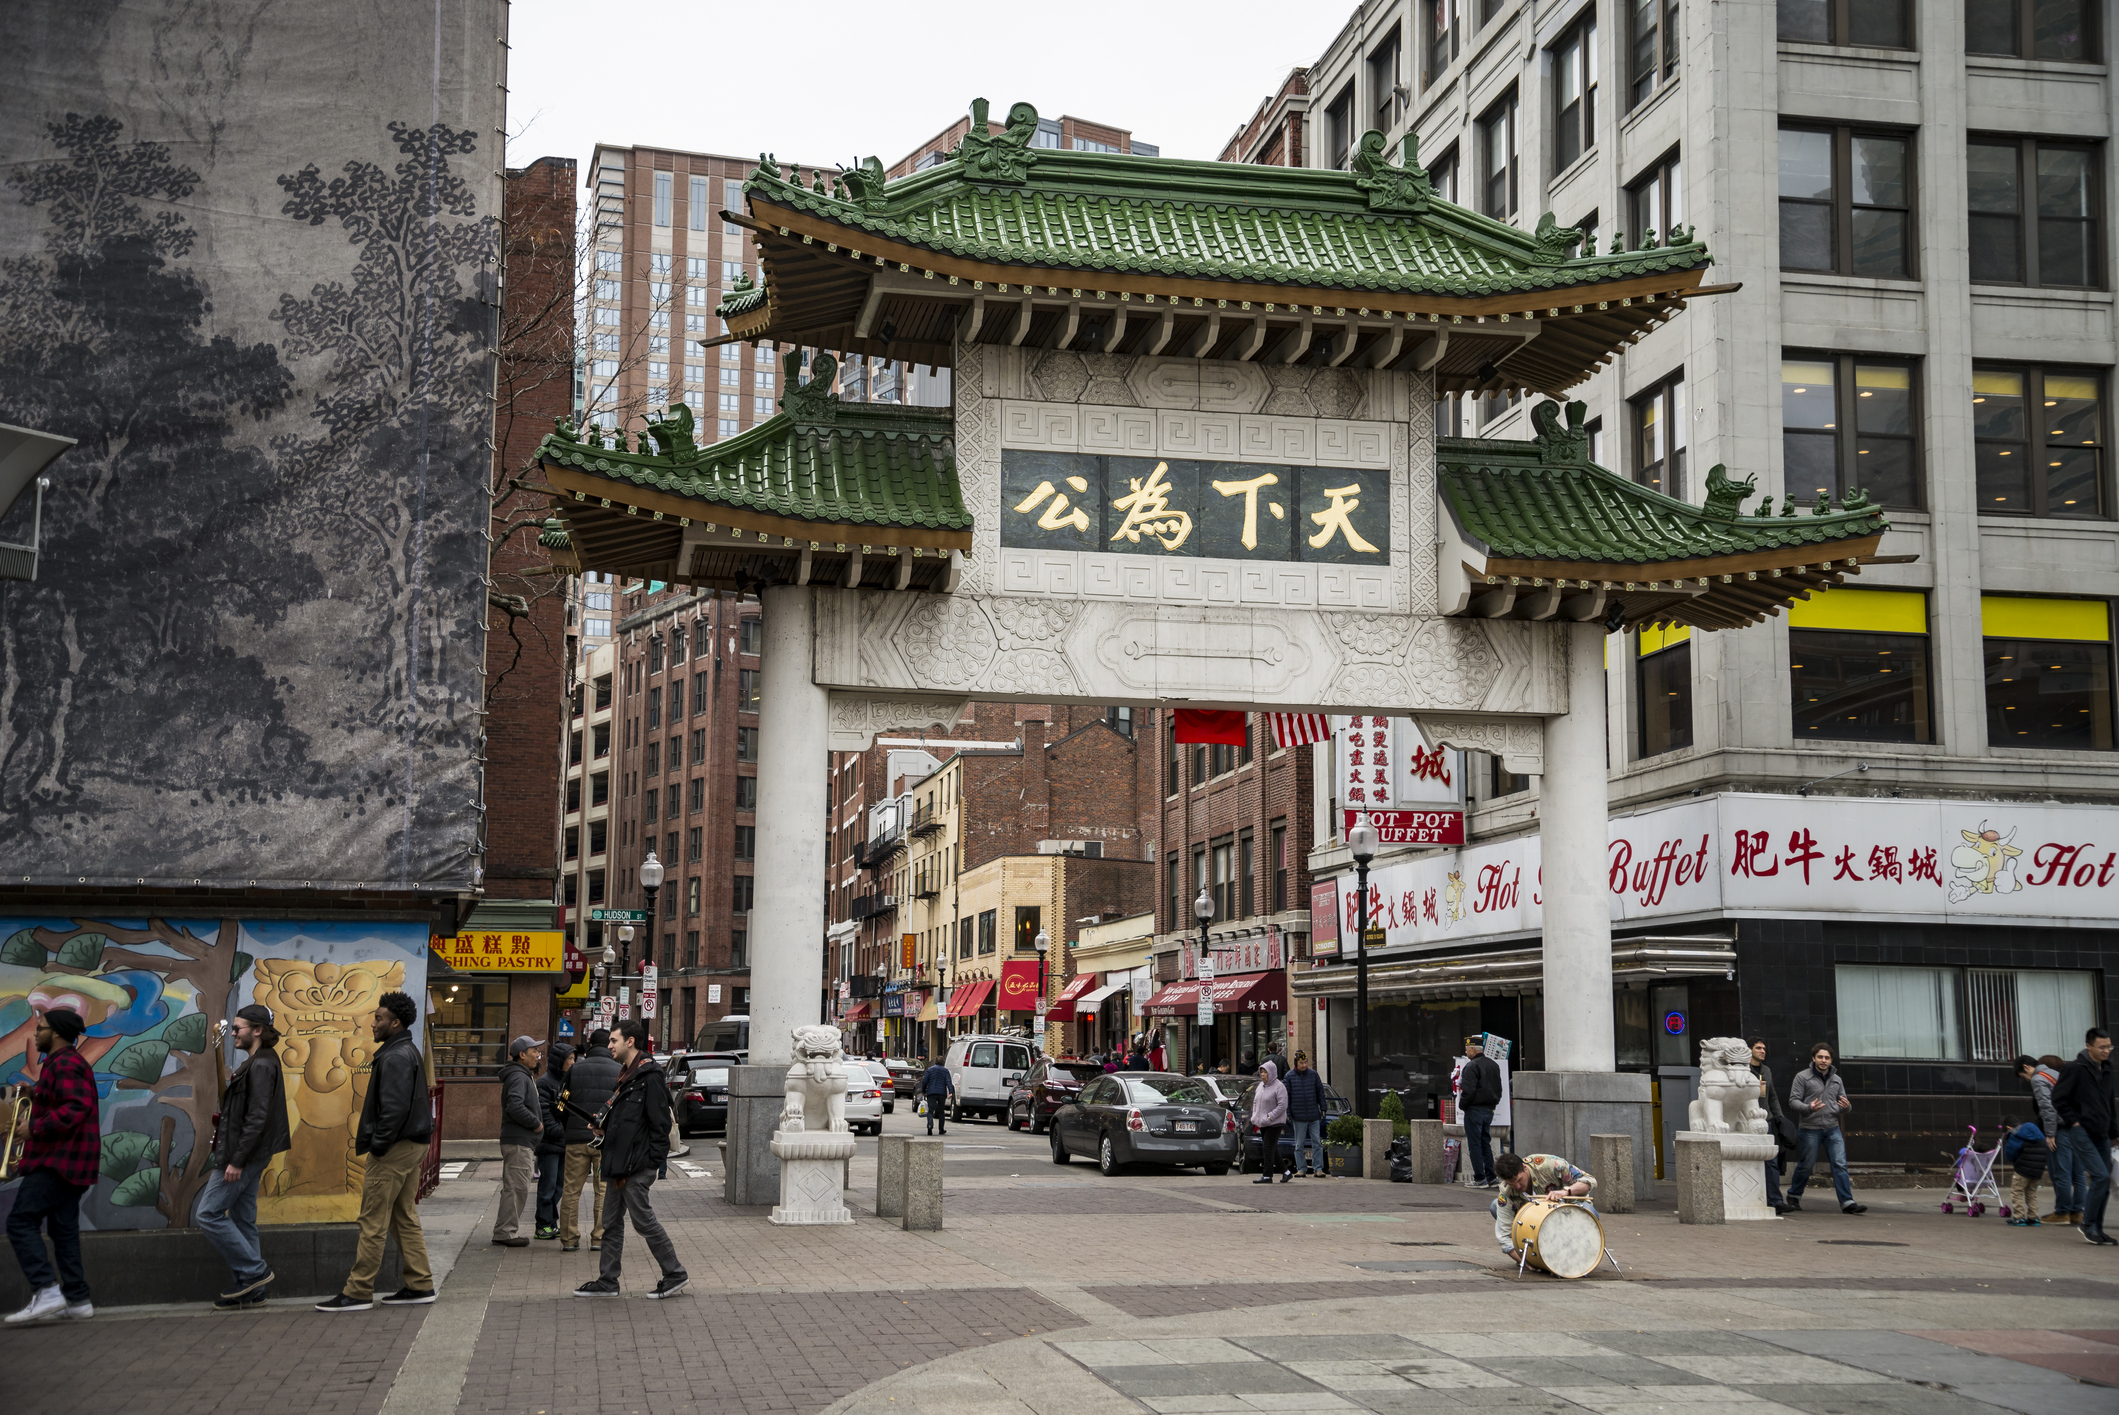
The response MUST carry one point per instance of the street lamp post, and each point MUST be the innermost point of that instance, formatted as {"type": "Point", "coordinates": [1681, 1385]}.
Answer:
{"type": "Point", "coordinates": [1361, 841]}
{"type": "Point", "coordinates": [1043, 944]}
{"type": "Point", "coordinates": [1203, 910]}
{"type": "Point", "coordinates": [650, 886]}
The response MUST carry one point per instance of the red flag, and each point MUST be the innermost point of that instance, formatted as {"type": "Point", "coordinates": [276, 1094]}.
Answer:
{"type": "Point", "coordinates": [1203, 725]}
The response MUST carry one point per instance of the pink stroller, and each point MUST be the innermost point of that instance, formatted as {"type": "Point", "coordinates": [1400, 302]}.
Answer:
{"type": "Point", "coordinates": [1972, 1181]}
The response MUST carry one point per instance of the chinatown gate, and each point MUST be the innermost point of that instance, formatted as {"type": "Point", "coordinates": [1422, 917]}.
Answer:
{"type": "Point", "coordinates": [1191, 461]}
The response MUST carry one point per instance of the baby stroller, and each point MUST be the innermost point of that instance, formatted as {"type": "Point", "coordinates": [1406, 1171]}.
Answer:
{"type": "Point", "coordinates": [1972, 1182]}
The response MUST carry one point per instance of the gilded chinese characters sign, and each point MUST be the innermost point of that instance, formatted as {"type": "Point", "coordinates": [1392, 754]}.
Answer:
{"type": "Point", "coordinates": [1165, 506]}
{"type": "Point", "coordinates": [502, 951]}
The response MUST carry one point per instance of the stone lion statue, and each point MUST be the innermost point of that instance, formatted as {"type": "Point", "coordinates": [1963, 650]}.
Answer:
{"type": "Point", "coordinates": [1728, 1098]}
{"type": "Point", "coordinates": [816, 1082]}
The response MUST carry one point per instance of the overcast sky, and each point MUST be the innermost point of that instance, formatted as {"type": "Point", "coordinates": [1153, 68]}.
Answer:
{"type": "Point", "coordinates": [824, 81]}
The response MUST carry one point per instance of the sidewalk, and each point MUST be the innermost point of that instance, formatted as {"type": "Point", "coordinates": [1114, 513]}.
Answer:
{"type": "Point", "coordinates": [1055, 1289]}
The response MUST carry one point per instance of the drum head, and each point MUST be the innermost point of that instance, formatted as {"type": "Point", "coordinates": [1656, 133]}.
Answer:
{"type": "Point", "coordinates": [1570, 1242]}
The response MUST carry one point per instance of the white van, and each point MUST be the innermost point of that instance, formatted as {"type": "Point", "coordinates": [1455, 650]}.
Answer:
{"type": "Point", "coordinates": [985, 1070]}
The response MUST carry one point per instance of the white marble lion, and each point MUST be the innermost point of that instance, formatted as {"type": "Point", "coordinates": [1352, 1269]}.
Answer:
{"type": "Point", "coordinates": [816, 1082]}
{"type": "Point", "coordinates": [1728, 1098]}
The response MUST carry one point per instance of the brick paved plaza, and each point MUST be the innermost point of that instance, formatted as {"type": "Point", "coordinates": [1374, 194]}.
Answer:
{"type": "Point", "coordinates": [1056, 1290]}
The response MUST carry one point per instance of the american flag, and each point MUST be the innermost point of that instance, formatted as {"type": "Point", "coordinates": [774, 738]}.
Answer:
{"type": "Point", "coordinates": [1295, 729]}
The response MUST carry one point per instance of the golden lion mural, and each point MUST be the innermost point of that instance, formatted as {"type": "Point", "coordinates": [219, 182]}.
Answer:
{"type": "Point", "coordinates": [323, 1011]}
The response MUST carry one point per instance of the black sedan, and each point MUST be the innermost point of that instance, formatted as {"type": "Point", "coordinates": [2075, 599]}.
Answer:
{"type": "Point", "coordinates": [1044, 1088]}
{"type": "Point", "coordinates": [1335, 1105]}
{"type": "Point", "coordinates": [905, 1075]}
{"type": "Point", "coordinates": [1145, 1117]}
{"type": "Point", "coordinates": [702, 1103]}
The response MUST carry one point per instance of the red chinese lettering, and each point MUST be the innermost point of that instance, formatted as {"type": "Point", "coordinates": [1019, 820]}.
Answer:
{"type": "Point", "coordinates": [1409, 907]}
{"type": "Point", "coordinates": [1883, 864]}
{"type": "Point", "coordinates": [1356, 757]}
{"type": "Point", "coordinates": [1921, 864]}
{"type": "Point", "coordinates": [1357, 793]}
{"type": "Point", "coordinates": [1428, 910]}
{"type": "Point", "coordinates": [1802, 849]}
{"type": "Point", "coordinates": [1751, 851]}
{"type": "Point", "coordinates": [1843, 867]}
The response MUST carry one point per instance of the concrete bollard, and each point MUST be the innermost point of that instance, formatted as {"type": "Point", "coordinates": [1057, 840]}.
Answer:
{"type": "Point", "coordinates": [1375, 1149]}
{"type": "Point", "coordinates": [890, 1176]}
{"type": "Point", "coordinates": [923, 1184]}
{"type": "Point", "coordinates": [1611, 1161]}
{"type": "Point", "coordinates": [1427, 1152]}
{"type": "Point", "coordinates": [1699, 1176]}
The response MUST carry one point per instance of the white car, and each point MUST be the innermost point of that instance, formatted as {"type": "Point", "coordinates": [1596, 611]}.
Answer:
{"type": "Point", "coordinates": [883, 1080]}
{"type": "Point", "coordinates": [864, 1100]}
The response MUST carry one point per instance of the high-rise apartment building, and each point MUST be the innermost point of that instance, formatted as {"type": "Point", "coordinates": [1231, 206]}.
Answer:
{"type": "Point", "coordinates": [1274, 136]}
{"type": "Point", "coordinates": [1909, 205]}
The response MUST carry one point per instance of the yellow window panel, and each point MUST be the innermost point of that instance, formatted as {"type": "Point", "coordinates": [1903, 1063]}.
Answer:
{"type": "Point", "coordinates": [1865, 611]}
{"type": "Point", "coordinates": [2020, 617]}
{"type": "Point", "coordinates": [1655, 640]}
{"type": "Point", "coordinates": [1996, 382]}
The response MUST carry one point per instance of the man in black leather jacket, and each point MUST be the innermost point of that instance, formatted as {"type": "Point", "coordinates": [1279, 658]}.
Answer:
{"type": "Point", "coordinates": [253, 1128]}
{"type": "Point", "coordinates": [636, 1142]}
{"type": "Point", "coordinates": [1478, 1093]}
{"type": "Point", "coordinates": [552, 1144]}
{"type": "Point", "coordinates": [397, 1120]}
{"type": "Point", "coordinates": [590, 1082]}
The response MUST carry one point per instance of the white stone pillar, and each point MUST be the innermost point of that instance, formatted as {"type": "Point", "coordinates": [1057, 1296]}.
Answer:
{"type": "Point", "coordinates": [787, 909]}
{"type": "Point", "coordinates": [1574, 809]}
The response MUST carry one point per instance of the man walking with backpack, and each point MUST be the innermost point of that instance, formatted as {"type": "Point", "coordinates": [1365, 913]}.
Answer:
{"type": "Point", "coordinates": [590, 1081]}
{"type": "Point", "coordinates": [253, 1129]}
{"type": "Point", "coordinates": [2083, 1100]}
{"type": "Point", "coordinates": [636, 1143]}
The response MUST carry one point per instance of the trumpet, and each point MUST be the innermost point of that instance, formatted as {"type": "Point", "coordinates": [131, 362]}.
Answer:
{"type": "Point", "coordinates": [14, 1131]}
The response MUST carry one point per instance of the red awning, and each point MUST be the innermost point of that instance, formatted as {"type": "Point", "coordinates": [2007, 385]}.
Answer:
{"type": "Point", "coordinates": [855, 1013]}
{"type": "Point", "coordinates": [1247, 992]}
{"type": "Point", "coordinates": [1062, 1008]}
{"type": "Point", "coordinates": [968, 998]}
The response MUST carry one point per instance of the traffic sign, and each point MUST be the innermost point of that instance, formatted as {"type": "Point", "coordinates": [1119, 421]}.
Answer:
{"type": "Point", "coordinates": [617, 916]}
{"type": "Point", "coordinates": [647, 1003]}
{"type": "Point", "coordinates": [1206, 1008]}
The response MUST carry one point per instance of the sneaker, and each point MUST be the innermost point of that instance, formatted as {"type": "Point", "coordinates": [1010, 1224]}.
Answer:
{"type": "Point", "coordinates": [409, 1297]}
{"type": "Point", "coordinates": [2017, 1222]}
{"type": "Point", "coordinates": [343, 1303]}
{"type": "Point", "coordinates": [46, 1302]}
{"type": "Point", "coordinates": [518, 1241]}
{"type": "Point", "coordinates": [1792, 1204]}
{"type": "Point", "coordinates": [82, 1311]}
{"type": "Point", "coordinates": [2032, 1222]}
{"type": "Point", "coordinates": [597, 1287]}
{"type": "Point", "coordinates": [570, 1247]}
{"type": "Point", "coordinates": [1854, 1208]}
{"type": "Point", "coordinates": [244, 1289]}
{"type": "Point", "coordinates": [671, 1286]}
{"type": "Point", "coordinates": [548, 1232]}
{"type": "Point", "coordinates": [248, 1302]}
{"type": "Point", "coordinates": [2099, 1237]}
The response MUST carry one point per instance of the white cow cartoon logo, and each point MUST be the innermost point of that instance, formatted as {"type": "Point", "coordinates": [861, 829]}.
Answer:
{"type": "Point", "coordinates": [1984, 864]}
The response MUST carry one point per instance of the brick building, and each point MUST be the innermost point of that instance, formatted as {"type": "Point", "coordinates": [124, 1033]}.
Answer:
{"type": "Point", "coordinates": [1274, 136]}
{"type": "Point", "coordinates": [1075, 134]}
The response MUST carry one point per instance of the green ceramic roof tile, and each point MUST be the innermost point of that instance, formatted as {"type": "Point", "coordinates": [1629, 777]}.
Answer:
{"type": "Point", "coordinates": [742, 297]}
{"type": "Point", "coordinates": [821, 460]}
{"type": "Point", "coordinates": [1378, 227]}
{"type": "Point", "coordinates": [1544, 500]}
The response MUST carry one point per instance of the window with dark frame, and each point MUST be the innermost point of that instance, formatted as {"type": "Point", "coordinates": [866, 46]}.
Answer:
{"type": "Point", "coordinates": [1659, 424]}
{"type": "Point", "coordinates": [1574, 92]}
{"type": "Point", "coordinates": [1859, 686]}
{"type": "Point", "coordinates": [1279, 847]}
{"type": "Point", "coordinates": [1246, 874]}
{"type": "Point", "coordinates": [1500, 781]}
{"type": "Point", "coordinates": [1655, 202]}
{"type": "Point", "coordinates": [1497, 159]}
{"type": "Point", "coordinates": [2054, 238]}
{"type": "Point", "coordinates": [1846, 201]}
{"type": "Point", "coordinates": [2038, 441]}
{"type": "Point", "coordinates": [2054, 690]}
{"type": "Point", "coordinates": [988, 920]}
{"type": "Point", "coordinates": [1870, 24]}
{"type": "Point", "coordinates": [1442, 33]}
{"type": "Point", "coordinates": [1339, 128]}
{"type": "Point", "coordinates": [1442, 174]}
{"type": "Point", "coordinates": [742, 890]}
{"type": "Point", "coordinates": [2058, 30]}
{"type": "Point", "coordinates": [1224, 863]}
{"type": "Point", "coordinates": [1028, 920]}
{"type": "Point", "coordinates": [746, 793]}
{"type": "Point", "coordinates": [1651, 47]}
{"type": "Point", "coordinates": [1173, 754]}
{"type": "Point", "coordinates": [1662, 693]}
{"type": "Point", "coordinates": [1847, 421]}
{"type": "Point", "coordinates": [1387, 82]}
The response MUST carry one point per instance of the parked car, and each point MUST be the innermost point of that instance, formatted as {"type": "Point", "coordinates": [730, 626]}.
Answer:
{"type": "Point", "coordinates": [986, 1070]}
{"type": "Point", "coordinates": [1045, 1087]}
{"type": "Point", "coordinates": [1231, 1091]}
{"type": "Point", "coordinates": [864, 1101]}
{"type": "Point", "coordinates": [1152, 1117]}
{"type": "Point", "coordinates": [1335, 1105]}
{"type": "Point", "coordinates": [905, 1075]}
{"type": "Point", "coordinates": [884, 1083]}
{"type": "Point", "coordinates": [702, 1100]}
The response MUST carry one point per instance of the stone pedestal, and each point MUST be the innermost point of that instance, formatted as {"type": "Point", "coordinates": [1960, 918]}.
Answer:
{"type": "Point", "coordinates": [749, 1173]}
{"type": "Point", "coordinates": [1556, 1113]}
{"type": "Point", "coordinates": [1427, 1151]}
{"type": "Point", "coordinates": [1722, 1177]}
{"type": "Point", "coordinates": [922, 1196]}
{"type": "Point", "coordinates": [1376, 1140]}
{"type": "Point", "coordinates": [890, 1175]}
{"type": "Point", "coordinates": [1611, 1161]}
{"type": "Point", "coordinates": [811, 1188]}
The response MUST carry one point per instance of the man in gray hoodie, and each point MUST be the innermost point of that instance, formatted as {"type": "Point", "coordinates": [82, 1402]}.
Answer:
{"type": "Point", "coordinates": [521, 1129]}
{"type": "Point", "coordinates": [1816, 1099]}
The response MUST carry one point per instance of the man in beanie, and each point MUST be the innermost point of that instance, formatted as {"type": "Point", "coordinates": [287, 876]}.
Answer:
{"type": "Point", "coordinates": [253, 1129]}
{"type": "Point", "coordinates": [552, 1145]}
{"type": "Point", "coordinates": [59, 1165]}
{"type": "Point", "coordinates": [521, 1131]}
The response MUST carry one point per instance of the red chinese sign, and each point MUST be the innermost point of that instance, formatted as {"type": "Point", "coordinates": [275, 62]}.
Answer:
{"type": "Point", "coordinates": [1018, 987]}
{"type": "Point", "coordinates": [1411, 827]}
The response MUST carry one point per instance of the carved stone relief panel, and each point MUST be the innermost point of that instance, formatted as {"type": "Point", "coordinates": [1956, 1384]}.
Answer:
{"type": "Point", "coordinates": [856, 718]}
{"type": "Point", "coordinates": [1518, 741]}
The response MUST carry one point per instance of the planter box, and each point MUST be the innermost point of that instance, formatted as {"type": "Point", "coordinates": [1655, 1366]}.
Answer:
{"type": "Point", "coordinates": [1343, 1160]}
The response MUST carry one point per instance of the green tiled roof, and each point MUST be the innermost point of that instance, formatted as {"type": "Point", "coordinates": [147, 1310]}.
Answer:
{"type": "Point", "coordinates": [742, 297]}
{"type": "Point", "coordinates": [1378, 227]}
{"type": "Point", "coordinates": [1543, 500]}
{"type": "Point", "coordinates": [817, 460]}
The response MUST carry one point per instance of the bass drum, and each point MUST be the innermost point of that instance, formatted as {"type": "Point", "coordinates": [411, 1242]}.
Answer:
{"type": "Point", "coordinates": [1565, 1240]}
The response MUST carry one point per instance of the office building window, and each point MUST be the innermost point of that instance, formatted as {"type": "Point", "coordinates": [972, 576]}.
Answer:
{"type": "Point", "coordinates": [747, 689]}
{"type": "Point", "coordinates": [1652, 46]}
{"type": "Point", "coordinates": [731, 377]}
{"type": "Point", "coordinates": [750, 636]}
{"type": "Point", "coordinates": [574, 793]}
{"type": "Point", "coordinates": [699, 679]}
{"type": "Point", "coordinates": [1501, 781]}
{"type": "Point", "coordinates": [746, 744]}
{"type": "Point", "coordinates": [691, 960]}
{"type": "Point", "coordinates": [662, 198]}
{"type": "Point", "coordinates": [652, 763]}
{"type": "Point", "coordinates": [1173, 756]}
{"type": "Point", "coordinates": [2061, 30]}
{"type": "Point", "coordinates": [1655, 203]}
{"type": "Point", "coordinates": [1847, 421]}
{"type": "Point", "coordinates": [694, 843]}
{"type": "Point", "coordinates": [1574, 93]}
{"type": "Point", "coordinates": [1387, 82]}
{"type": "Point", "coordinates": [600, 735]}
{"type": "Point", "coordinates": [1442, 175]}
{"type": "Point", "coordinates": [610, 262]}
{"type": "Point", "coordinates": [2038, 441]}
{"type": "Point", "coordinates": [746, 793]}
{"type": "Point", "coordinates": [1872, 24]}
{"type": "Point", "coordinates": [692, 890]}
{"type": "Point", "coordinates": [1858, 665]}
{"type": "Point", "coordinates": [1846, 202]}
{"type": "Point", "coordinates": [2048, 672]}
{"type": "Point", "coordinates": [730, 270]}
{"type": "Point", "coordinates": [741, 894]}
{"type": "Point", "coordinates": [1659, 423]}
{"type": "Point", "coordinates": [697, 794]}
{"type": "Point", "coordinates": [1246, 874]}
{"type": "Point", "coordinates": [746, 842]}
{"type": "Point", "coordinates": [599, 836]}
{"type": "Point", "coordinates": [964, 930]}
{"type": "Point", "coordinates": [2035, 209]}
{"type": "Point", "coordinates": [761, 408]}
{"type": "Point", "coordinates": [1180, 916]}
{"type": "Point", "coordinates": [1224, 860]}
{"type": "Point", "coordinates": [654, 700]}
{"type": "Point", "coordinates": [1497, 159]}
{"type": "Point", "coordinates": [1962, 1014]}
{"type": "Point", "coordinates": [1443, 23]}
{"type": "Point", "coordinates": [698, 748]}
{"type": "Point", "coordinates": [988, 922]}
{"type": "Point", "coordinates": [1279, 848]}
{"type": "Point", "coordinates": [729, 427]}
{"type": "Point", "coordinates": [596, 881]}
{"type": "Point", "coordinates": [1662, 690]}
{"type": "Point", "coordinates": [1339, 128]}
{"type": "Point", "coordinates": [1028, 920]}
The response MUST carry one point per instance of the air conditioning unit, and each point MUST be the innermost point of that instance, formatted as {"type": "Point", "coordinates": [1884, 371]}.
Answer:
{"type": "Point", "coordinates": [887, 901]}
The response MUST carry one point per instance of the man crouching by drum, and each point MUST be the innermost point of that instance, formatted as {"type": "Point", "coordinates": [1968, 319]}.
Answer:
{"type": "Point", "coordinates": [1524, 1178]}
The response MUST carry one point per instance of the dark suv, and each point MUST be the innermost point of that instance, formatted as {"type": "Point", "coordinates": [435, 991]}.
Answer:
{"type": "Point", "coordinates": [1045, 1087]}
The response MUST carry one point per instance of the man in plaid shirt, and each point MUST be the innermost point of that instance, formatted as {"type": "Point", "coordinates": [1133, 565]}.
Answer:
{"type": "Point", "coordinates": [58, 1166]}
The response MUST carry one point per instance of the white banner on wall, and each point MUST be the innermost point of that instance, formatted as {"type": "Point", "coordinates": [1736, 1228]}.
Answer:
{"type": "Point", "coordinates": [1746, 853]}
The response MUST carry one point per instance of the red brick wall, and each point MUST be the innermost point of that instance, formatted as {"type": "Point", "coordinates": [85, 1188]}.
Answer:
{"type": "Point", "coordinates": [1274, 789]}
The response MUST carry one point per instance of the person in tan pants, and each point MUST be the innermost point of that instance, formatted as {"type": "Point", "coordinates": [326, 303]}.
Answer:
{"type": "Point", "coordinates": [591, 1076]}
{"type": "Point", "coordinates": [397, 1121]}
